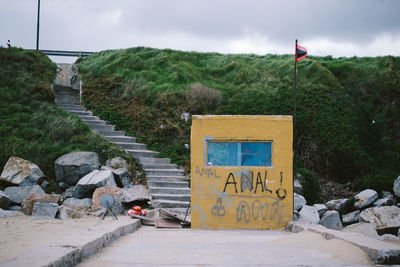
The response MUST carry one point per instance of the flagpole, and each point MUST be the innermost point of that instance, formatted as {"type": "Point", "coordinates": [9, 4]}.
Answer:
{"type": "Point", "coordinates": [295, 84]}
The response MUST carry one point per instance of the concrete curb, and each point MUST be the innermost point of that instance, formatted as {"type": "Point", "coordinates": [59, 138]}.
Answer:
{"type": "Point", "coordinates": [379, 251]}
{"type": "Point", "coordinates": [71, 251]}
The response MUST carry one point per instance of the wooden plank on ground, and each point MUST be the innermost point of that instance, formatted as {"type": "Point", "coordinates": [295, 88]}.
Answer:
{"type": "Point", "coordinates": [167, 223]}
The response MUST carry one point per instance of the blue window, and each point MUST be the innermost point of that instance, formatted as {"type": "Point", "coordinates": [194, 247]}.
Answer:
{"type": "Point", "coordinates": [239, 153]}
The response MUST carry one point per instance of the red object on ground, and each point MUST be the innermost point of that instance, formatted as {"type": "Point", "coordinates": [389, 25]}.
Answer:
{"type": "Point", "coordinates": [137, 208]}
{"type": "Point", "coordinates": [144, 212]}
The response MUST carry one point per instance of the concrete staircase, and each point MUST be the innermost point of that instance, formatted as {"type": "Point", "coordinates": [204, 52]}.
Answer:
{"type": "Point", "coordinates": [166, 182]}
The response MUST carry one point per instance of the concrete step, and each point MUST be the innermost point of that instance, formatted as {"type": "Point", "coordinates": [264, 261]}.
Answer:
{"type": "Point", "coordinates": [123, 139]}
{"type": "Point", "coordinates": [155, 160]}
{"type": "Point", "coordinates": [143, 153]}
{"type": "Point", "coordinates": [165, 178]}
{"type": "Point", "coordinates": [110, 133]}
{"type": "Point", "coordinates": [71, 107]}
{"type": "Point", "coordinates": [98, 127]}
{"type": "Point", "coordinates": [88, 118]}
{"type": "Point", "coordinates": [158, 166]}
{"type": "Point", "coordinates": [133, 146]}
{"type": "Point", "coordinates": [95, 122]}
{"type": "Point", "coordinates": [68, 104]}
{"type": "Point", "coordinates": [170, 204]}
{"type": "Point", "coordinates": [176, 197]}
{"type": "Point", "coordinates": [80, 112]}
{"type": "Point", "coordinates": [68, 101]}
{"type": "Point", "coordinates": [163, 183]}
{"type": "Point", "coordinates": [164, 172]}
{"type": "Point", "coordinates": [169, 190]}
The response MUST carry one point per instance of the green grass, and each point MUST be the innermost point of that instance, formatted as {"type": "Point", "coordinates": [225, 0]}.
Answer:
{"type": "Point", "coordinates": [32, 126]}
{"type": "Point", "coordinates": [347, 124]}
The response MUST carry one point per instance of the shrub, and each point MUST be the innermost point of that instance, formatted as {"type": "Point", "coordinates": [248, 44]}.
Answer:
{"type": "Point", "coordinates": [311, 185]}
{"type": "Point", "coordinates": [202, 98]}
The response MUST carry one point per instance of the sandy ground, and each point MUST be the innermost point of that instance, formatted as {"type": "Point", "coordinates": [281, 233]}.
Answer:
{"type": "Point", "coordinates": [21, 234]}
{"type": "Point", "coordinates": [185, 247]}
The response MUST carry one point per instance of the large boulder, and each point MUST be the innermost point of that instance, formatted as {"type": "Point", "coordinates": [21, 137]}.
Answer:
{"type": "Point", "coordinates": [386, 219]}
{"type": "Point", "coordinates": [78, 205]}
{"type": "Point", "coordinates": [310, 214]}
{"type": "Point", "coordinates": [46, 210]}
{"type": "Point", "coordinates": [87, 184]}
{"type": "Point", "coordinates": [21, 172]}
{"type": "Point", "coordinates": [337, 204]}
{"type": "Point", "coordinates": [396, 187]}
{"type": "Point", "coordinates": [122, 177]}
{"type": "Point", "coordinates": [17, 193]}
{"type": "Point", "coordinates": [65, 213]}
{"type": "Point", "coordinates": [331, 220]}
{"type": "Point", "coordinates": [8, 213]}
{"type": "Point", "coordinates": [321, 208]}
{"type": "Point", "coordinates": [73, 166]}
{"type": "Point", "coordinates": [29, 201]}
{"type": "Point", "coordinates": [117, 208]}
{"type": "Point", "coordinates": [117, 163]}
{"type": "Point", "coordinates": [4, 200]}
{"type": "Point", "coordinates": [298, 201]}
{"type": "Point", "coordinates": [365, 198]}
{"type": "Point", "coordinates": [352, 217]}
{"type": "Point", "coordinates": [135, 194]}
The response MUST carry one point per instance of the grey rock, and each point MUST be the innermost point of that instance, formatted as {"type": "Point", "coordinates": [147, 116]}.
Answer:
{"type": "Point", "coordinates": [386, 219]}
{"type": "Point", "coordinates": [67, 193]}
{"type": "Point", "coordinates": [396, 187]}
{"type": "Point", "coordinates": [383, 202]}
{"type": "Point", "coordinates": [117, 163]}
{"type": "Point", "coordinates": [29, 201]}
{"type": "Point", "coordinates": [44, 185]}
{"type": "Point", "coordinates": [104, 168]}
{"type": "Point", "coordinates": [78, 205]}
{"type": "Point", "coordinates": [388, 195]}
{"type": "Point", "coordinates": [298, 201]}
{"type": "Point", "coordinates": [310, 214]}
{"type": "Point", "coordinates": [365, 198]}
{"type": "Point", "coordinates": [21, 172]}
{"type": "Point", "coordinates": [66, 213]}
{"type": "Point", "coordinates": [352, 217]}
{"type": "Point", "coordinates": [321, 208]}
{"type": "Point", "coordinates": [8, 213]}
{"type": "Point", "coordinates": [45, 210]}
{"type": "Point", "coordinates": [134, 193]}
{"type": "Point", "coordinates": [297, 187]}
{"type": "Point", "coordinates": [71, 167]}
{"type": "Point", "coordinates": [122, 177]}
{"type": "Point", "coordinates": [296, 215]}
{"type": "Point", "coordinates": [63, 185]}
{"type": "Point", "coordinates": [4, 200]}
{"type": "Point", "coordinates": [331, 220]}
{"type": "Point", "coordinates": [107, 192]}
{"type": "Point", "coordinates": [15, 208]}
{"type": "Point", "coordinates": [17, 193]}
{"type": "Point", "coordinates": [87, 184]}
{"type": "Point", "coordinates": [337, 204]}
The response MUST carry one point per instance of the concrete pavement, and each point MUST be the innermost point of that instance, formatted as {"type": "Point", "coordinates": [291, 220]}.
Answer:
{"type": "Point", "coordinates": [149, 246]}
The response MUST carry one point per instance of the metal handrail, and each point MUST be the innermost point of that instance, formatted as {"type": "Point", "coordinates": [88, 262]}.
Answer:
{"type": "Point", "coordinates": [66, 53]}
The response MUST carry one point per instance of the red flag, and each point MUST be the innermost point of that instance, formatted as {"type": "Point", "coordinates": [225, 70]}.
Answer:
{"type": "Point", "coordinates": [301, 53]}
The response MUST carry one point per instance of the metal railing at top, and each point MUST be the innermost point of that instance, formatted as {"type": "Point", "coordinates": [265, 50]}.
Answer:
{"type": "Point", "coordinates": [66, 53]}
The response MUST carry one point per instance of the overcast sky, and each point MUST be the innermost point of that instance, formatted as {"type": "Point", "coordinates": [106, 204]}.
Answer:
{"type": "Point", "coordinates": [334, 27]}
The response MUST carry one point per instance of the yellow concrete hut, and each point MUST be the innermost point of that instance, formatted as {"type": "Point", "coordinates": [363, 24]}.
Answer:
{"type": "Point", "coordinates": [241, 172]}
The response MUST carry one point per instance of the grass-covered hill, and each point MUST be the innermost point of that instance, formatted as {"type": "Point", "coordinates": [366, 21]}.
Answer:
{"type": "Point", "coordinates": [32, 126]}
{"type": "Point", "coordinates": [347, 125]}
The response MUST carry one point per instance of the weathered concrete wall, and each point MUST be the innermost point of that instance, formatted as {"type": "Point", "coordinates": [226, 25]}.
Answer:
{"type": "Point", "coordinates": [249, 197]}
{"type": "Point", "coordinates": [64, 74]}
